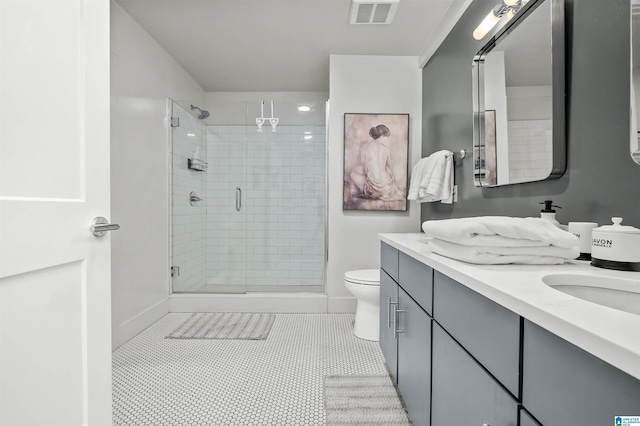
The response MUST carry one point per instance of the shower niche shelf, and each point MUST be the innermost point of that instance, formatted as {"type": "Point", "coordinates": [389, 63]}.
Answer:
{"type": "Point", "coordinates": [197, 165]}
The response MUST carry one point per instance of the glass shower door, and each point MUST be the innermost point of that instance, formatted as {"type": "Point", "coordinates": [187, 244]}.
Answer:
{"type": "Point", "coordinates": [188, 201]}
{"type": "Point", "coordinates": [285, 200]}
{"type": "Point", "coordinates": [226, 199]}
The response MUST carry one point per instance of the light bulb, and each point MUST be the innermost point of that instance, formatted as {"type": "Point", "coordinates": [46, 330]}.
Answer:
{"type": "Point", "coordinates": [510, 2]}
{"type": "Point", "coordinates": [485, 26]}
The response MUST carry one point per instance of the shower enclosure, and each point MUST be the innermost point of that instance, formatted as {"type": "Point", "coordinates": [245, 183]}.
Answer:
{"type": "Point", "coordinates": [247, 207]}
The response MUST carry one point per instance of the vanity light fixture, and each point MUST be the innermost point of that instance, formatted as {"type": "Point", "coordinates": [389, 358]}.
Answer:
{"type": "Point", "coordinates": [505, 7]}
{"type": "Point", "coordinates": [273, 121]}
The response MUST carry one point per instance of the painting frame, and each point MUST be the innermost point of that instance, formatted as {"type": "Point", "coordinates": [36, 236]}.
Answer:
{"type": "Point", "coordinates": [376, 161]}
{"type": "Point", "coordinates": [490, 151]}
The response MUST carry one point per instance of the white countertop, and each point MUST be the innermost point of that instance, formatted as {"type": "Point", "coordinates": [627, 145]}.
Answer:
{"type": "Point", "coordinates": [609, 334]}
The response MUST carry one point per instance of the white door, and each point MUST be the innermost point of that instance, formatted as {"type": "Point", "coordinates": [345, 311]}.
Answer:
{"type": "Point", "coordinates": [55, 343]}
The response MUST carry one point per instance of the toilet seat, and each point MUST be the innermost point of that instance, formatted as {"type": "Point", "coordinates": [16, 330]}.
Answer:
{"type": "Point", "coordinates": [363, 277]}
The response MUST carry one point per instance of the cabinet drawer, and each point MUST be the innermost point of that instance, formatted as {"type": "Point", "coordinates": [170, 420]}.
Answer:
{"type": "Point", "coordinates": [389, 260]}
{"type": "Point", "coordinates": [490, 332]}
{"type": "Point", "coordinates": [416, 279]}
{"type": "Point", "coordinates": [563, 384]}
{"type": "Point", "coordinates": [463, 393]}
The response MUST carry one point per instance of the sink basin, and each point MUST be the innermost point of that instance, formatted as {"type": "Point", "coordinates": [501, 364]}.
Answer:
{"type": "Point", "coordinates": [617, 293]}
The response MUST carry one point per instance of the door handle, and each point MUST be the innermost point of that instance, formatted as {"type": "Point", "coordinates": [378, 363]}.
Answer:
{"type": "Point", "coordinates": [100, 226]}
{"type": "Point", "coordinates": [238, 198]}
{"type": "Point", "coordinates": [396, 330]}
{"type": "Point", "coordinates": [389, 303]}
{"type": "Point", "coordinates": [193, 198]}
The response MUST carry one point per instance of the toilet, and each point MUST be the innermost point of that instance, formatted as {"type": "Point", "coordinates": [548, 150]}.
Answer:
{"type": "Point", "coordinates": [364, 284]}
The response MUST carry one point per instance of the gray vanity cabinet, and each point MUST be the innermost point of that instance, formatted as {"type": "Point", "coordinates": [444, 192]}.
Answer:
{"type": "Point", "coordinates": [405, 329]}
{"type": "Point", "coordinates": [414, 358]}
{"type": "Point", "coordinates": [562, 384]}
{"type": "Point", "coordinates": [463, 393]}
{"type": "Point", "coordinates": [461, 358]}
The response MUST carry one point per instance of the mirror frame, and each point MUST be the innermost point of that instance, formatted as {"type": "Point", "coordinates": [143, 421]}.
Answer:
{"type": "Point", "coordinates": [559, 139]}
{"type": "Point", "coordinates": [634, 128]}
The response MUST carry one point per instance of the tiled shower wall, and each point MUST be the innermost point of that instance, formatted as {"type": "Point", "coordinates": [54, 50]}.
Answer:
{"type": "Point", "coordinates": [530, 149]}
{"type": "Point", "coordinates": [188, 223]}
{"type": "Point", "coordinates": [275, 242]}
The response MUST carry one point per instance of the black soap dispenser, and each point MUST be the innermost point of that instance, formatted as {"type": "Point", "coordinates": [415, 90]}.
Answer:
{"type": "Point", "coordinates": [548, 213]}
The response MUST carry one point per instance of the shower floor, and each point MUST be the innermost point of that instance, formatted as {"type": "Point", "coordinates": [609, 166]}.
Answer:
{"type": "Point", "coordinates": [277, 381]}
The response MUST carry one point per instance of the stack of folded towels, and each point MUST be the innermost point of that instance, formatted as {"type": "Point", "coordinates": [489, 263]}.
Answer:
{"type": "Point", "coordinates": [497, 240]}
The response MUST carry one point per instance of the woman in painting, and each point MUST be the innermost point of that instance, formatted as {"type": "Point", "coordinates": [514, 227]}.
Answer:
{"type": "Point", "coordinates": [377, 181]}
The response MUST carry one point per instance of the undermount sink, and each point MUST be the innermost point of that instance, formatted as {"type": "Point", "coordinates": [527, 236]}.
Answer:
{"type": "Point", "coordinates": [617, 293]}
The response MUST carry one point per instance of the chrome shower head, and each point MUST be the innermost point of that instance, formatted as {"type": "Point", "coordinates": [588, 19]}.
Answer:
{"type": "Point", "coordinates": [202, 114]}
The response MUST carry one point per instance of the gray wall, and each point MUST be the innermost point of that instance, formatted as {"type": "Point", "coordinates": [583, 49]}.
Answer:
{"type": "Point", "coordinates": [601, 179]}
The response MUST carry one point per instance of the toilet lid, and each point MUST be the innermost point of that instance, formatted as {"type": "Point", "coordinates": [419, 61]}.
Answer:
{"type": "Point", "coordinates": [363, 276]}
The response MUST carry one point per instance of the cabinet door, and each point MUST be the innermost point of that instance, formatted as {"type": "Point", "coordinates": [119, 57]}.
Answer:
{"type": "Point", "coordinates": [562, 384]}
{"type": "Point", "coordinates": [462, 392]}
{"type": "Point", "coordinates": [414, 359]}
{"type": "Point", "coordinates": [388, 303]}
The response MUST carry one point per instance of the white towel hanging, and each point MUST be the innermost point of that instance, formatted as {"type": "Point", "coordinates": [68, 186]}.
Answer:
{"type": "Point", "coordinates": [432, 178]}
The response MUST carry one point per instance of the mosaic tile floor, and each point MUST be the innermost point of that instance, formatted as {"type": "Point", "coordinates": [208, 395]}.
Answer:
{"type": "Point", "coordinates": [277, 381]}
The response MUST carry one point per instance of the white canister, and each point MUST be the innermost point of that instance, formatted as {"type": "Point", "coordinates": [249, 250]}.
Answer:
{"type": "Point", "coordinates": [583, 230]}
{"type": "Point", "coordinates": [616, 246]}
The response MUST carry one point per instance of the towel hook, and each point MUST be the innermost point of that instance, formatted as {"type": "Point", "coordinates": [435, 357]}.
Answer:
{"type": "Point", "coordinates": [462, 153]}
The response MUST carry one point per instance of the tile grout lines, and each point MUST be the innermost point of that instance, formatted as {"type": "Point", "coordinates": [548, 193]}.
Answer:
{"type": "Point", "coordinates": [278, 381]}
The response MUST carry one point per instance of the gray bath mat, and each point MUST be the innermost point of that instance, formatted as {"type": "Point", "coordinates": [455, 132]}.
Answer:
{"type": "Point", "coordinates": [225, 325]}
{"type": "Point", "coordinates": [363, 400]}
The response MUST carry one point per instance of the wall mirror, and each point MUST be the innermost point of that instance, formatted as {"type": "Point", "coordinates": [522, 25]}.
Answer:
{"type": "Point", "coordinates": [519, 98]}
{"type": "Point", "coordinates": [635, 80]}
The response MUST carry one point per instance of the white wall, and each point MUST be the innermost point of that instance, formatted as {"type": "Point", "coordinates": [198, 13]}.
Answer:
{"type": "Point", "coordinates": [143, 76]}
{"type": "Point", "coordinates": [366, 84]}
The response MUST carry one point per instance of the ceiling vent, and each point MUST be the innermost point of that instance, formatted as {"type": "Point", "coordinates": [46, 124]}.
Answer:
{"type": "Point", "coordinates": [368, 12]}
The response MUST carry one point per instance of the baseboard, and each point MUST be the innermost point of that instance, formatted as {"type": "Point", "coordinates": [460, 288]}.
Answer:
{"type": "Point", "coordinates": [138, 323]}
{"type": "Point", "coordinates": [340, 305]}
{"type": "Point", "coordinates": [253, 302]}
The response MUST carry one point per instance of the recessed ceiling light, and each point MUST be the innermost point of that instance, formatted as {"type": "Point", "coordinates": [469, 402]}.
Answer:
{"type": "Point", "coordinates": [304, 108]}
{"type": "Point", "coordinates": [191, 134]}
{"type": "Point", "coordinates": [308, 137]}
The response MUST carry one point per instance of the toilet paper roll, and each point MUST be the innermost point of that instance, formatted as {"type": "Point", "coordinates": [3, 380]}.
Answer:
{"type": "Point", "coordinates": [583, 231]}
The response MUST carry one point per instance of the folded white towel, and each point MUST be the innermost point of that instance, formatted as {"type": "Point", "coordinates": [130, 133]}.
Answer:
{"type": "Point", "coordinates": [488, 255]}
{"type": "Point", "coordinates": [432, 178]}
{"type": "Point", "coordinates": [500, 231]}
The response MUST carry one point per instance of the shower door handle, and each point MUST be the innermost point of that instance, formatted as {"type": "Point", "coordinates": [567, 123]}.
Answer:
{"type": "Point", "coordinates": [238, 198]}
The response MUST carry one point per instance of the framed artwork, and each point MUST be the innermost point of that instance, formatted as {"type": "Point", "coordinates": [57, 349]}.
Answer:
{"type": "Point", "coordinates": [491, 177]}
{"type": "Point", "coordinates": [376, 157]}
